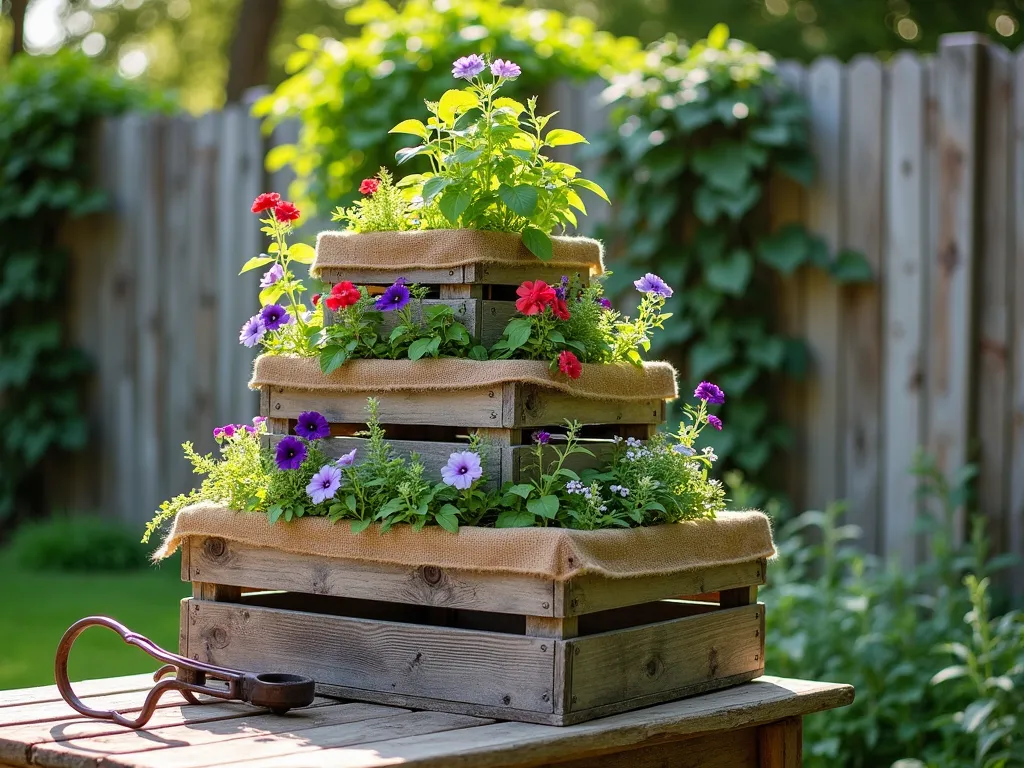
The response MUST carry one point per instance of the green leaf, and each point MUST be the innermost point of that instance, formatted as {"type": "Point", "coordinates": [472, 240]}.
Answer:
{"type": "Point", "coordinates": [706, 356]}
{"type": "Point", "coordinates": [255, 263]}
{"type": "Point", "coordinates": [270, 294]}
{"type": "Point", "coordinates": [511, 104]}
{"type": "Point", "coordinates": [732, 273]}
{"type": "Point", "coordinates": [561, 137]}
{"type": "Point", "coordinates": [521, 199]}
{"type": "Point", "coordinates": [358, 526]}
{"type": "Point", "coordinates": [538, 243]}
{"type": "Point", "coordinates": [590, 187]}
{"type": "Point", "coordinates": [514, 518]}
{"type": "Point", "coordinates": [799, 166]}
{"type": "Point", "coordinates": [977, 713]}
{"type": "Point", "coordinates": [852, 267]}
{"type": "Point", "coordinates": [412, 127]}
{"type": "Point", "coordinates": [457, 332]}
{"type": "Point", "coordinates": [434, 186]}
{"type": "Point", "coordinates": [522, 489]}
{"type": "Point", "coordinates": [718, 36]}
{"type": "Point", "coordinates": [332, 358]}
{"type": "Point", "coordinates": [448, 518]}
{"type": "Point", "coordinates": [518, 331]}
{"type": "Point", "coordinates": [724, 166]}
{"type": "Point", "coordinates": [545, 506]}
{"type": "Point", "coordinates": [776, 135]}
{"type": "Point", "coordinates": [768, 353]}
{"type": "Point", "coordinates": [786, 249]}
{"type": "Point", "coordinates": [453, 202]}
{"type": "Point", "coordinates": [453, 102]}
{"type": "Point", "coordinates": [301, 253]}
{"type": "Point", "coordinates": [407, 153]}
{"type": "Point", "coordinates": [478, 352]}
{"type": "Point", "coordinates": [397, 332]}
{"type": "Point", "coordinates": [420, 347]}
{"type": "Point", "coordinates": [465, 155]}
{"type": "Point", "coordinates": [274, 513]}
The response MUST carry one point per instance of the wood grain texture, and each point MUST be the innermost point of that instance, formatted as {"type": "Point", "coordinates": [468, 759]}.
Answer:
{"type": "Point", "coordinates": [1016, 415]}
{"type": "Point", "coordinates": [780, 745]}
{"type": "Point", "coordinates": [903, 308]}
{"type": "Point", "coordinates": [494, 316]}
{"type": "Point", "coordinates": [473, 408]}
{"type": "Point", "coordinates": [733, 750]}
{"type": "Point", "coordinates": [466, 312]}
{"type": "Point", "coordinates": [531, 406]}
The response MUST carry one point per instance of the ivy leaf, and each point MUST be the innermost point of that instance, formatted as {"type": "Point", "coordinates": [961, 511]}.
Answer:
{"type": "Point", "coordinates": [448, 518]}
{"type": "Point", "coordinates": [561, 137]}
{"type": "Point", "coordinates": [797, 359]}
{"type": "Point", "coordinates": [407, 153]}
{"type": "Point", "coordinates": [514, 518]}
{"type": "Point", "coordinates": [706, 356]}
{"type": "Point", "coordinates": [799, 166]}
{"type": "Point", "coordinates": [768, 353]}
{"type": "Point", "coordinates": [453, 202]}
{"type": "Point", "coordinates": [692, 116]}
{"type": "Point", "coordinates": [538, 243]}
{"type": "Point", "coordinates": [852, 267]}
{"type": "Point", "coordinates": [454, 102]}
{"type": "Point", "coordinates": [775, 135]}
{"type": "Point", "coordinates": [545, 506]}
{"type": "Point", "coordinates": [518, 331]}
{"type": "Point", "coordinates": [301, 253]}
{"type": "Point", "coordinates": [786, 249]}
{"type": "Point", "coordinates": [255, 263]}
{"type": "Point", "coordinates": [332, 358]}
{"type": "Point", "coordinates": [736, 381]}
{"type": "Point", "coordinates": [724, 166]}
{"type": "Point", "coordinates": [731, 274]}
{"type": "Point", "coordinates": [434, 186]}
{"type": "Point", "coordinates": [521, 199]}
{"type": "Point", "coordinates": [411, 127]}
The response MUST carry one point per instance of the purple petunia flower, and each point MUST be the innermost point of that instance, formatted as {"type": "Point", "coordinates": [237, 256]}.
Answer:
{"type": "Point", "coordinates": [709, 393]}
{"type": "Point", "coordinates": [291, 452]}
{"type": "Point", "coordinates": [258, 422]}
{"type": "Point", "coordinates": [395, 297]}
{"type": "Point", "coordinates": [348, 459]}
{"type": "Point", "coordinates": [715, 422]}
{"type": "Point", "coordinates": [685, 450]}
{"type": "Point", "coordinates": [462, 469]}
{"type": "Point", "coordinates": [324, 484]}
{"type": "Point", "coordinates": [274, 316]}
{"type": "Point", "coordinates": [606, 303]}
{"type": "Point", "coordinates": [468, 66]}
{"type": "Point", "coordinates": [271, 276]}
{"type": "Point", "coordinates": [651, 283]}
{"type": "Point", "coordinates": [312, 426]}
{"type": "Point", "coordinates": [562, 289]}
{"type": "Point", "coordinates": [252, 331]}
{"type": "Point", "coordinates": [218, 433]}
{"type": "Point", "coordinates": [541, 437]}
{"type": "Point", "coordinates": [506, 69]}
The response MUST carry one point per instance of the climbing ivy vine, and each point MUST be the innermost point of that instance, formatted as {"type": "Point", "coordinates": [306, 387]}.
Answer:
{"type": "Point", "coordinates": [696, 135]}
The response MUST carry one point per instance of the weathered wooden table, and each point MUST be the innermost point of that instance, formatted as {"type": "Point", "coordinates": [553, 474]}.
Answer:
{"type": "Point", "coordinates": [754, 724]}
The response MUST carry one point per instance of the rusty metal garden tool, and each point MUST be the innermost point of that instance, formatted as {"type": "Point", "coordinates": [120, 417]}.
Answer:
{"type": "Point", "coordinates": [273, 691]}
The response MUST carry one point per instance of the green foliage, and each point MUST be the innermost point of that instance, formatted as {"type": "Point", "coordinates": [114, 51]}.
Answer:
{"type": "Point", "coordinates": [939, 682]}
{"type": "Point", "coordinates": [350, 93]}
{"type": "Point", "coordinates": [697, 135]}
{"type": "Point", "coordinates": [77, 543]}
{"type": "Point", "coordinates": [47, 105]}
{"type": "Point", "coordinates": [384, 209]}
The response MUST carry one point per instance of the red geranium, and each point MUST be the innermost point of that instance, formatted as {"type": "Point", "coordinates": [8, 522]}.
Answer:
{"type": "Point", "coordinates": [265, 201]}
{"type": "Point", "coordinates": [369, 186]}
{"type": "Point", "coordinates": [560, 309]}
{"type": "Point", "coordinates": [316, 299]}
{"type": "Point", "coordinates": [569, 364]}
{"type": "Point", "coordinates": [343, 294]}
{"type": "Point", "coordinates": [285, 211]}
{"type": "Point", "coordinates": [535, 297]}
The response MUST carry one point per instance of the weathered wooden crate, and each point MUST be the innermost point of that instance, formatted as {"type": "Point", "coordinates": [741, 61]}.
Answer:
{"type": "Point", "coordinates": [512, 647]}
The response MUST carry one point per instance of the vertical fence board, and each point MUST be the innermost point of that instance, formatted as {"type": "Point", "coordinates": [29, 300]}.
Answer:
{"type": "Point", "coordinates": [250, 241]}
{"type": "Point", "coordinates": [1016, 272]}
{"type": "Point", "coordinates": [861, 337]}
{"type": "Point", "coordinates": [952, 276]}
{"type": "Point", "coordinates": [226, 270]}
{"type": "Point", "coordinates": [824, 207]}
{"type": "Point", "coordinates": [903, 291]}
{"type": "Point", "coordinates": [992, 297]}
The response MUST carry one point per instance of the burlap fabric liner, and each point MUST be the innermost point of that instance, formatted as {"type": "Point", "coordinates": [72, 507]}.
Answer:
{"type": "Point", "coordinates": [554, 553]}
{"type": "Point", "coordinates": [622, 383]}
{"type": "Point", "coordinates": [447, 248]}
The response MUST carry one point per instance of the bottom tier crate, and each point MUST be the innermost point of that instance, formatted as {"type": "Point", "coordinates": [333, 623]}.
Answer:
{"type": "Point", "coordinates": [513, 648]}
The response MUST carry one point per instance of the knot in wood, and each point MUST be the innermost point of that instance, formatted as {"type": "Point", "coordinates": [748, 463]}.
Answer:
{"type": "Point", "coordinates": [219, 637]}
{"type": "Point", "coordinates": [506, 699]}
{"type": "Point", "coordinates": [653, 667]}
{"type": "Point", "coordinates": [432, 575]}
{"type": "Point", "coordinates": [215, 547]}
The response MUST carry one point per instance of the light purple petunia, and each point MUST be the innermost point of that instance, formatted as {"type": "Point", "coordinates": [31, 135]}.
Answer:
{"type": "Point", "coordinates": [395, 297]}
{"type": "Point", "coordinates": [274, 316]}
{"type": "Point", "coordinates": [468, 66]}
{"type": "Point", "coordinates": [348, 459]}
{"type": "Point", "coordinates": [291, 452]}
{"type": "Point", "coordinates": [271, 276]}
{"type": "Point", "coordinates": [715, 422]}
{"type": "Point", "coordinates": [462, 469]}
{"type": "Point", "coordinates": [541, 437]}
{"type": "Point", "coordinates": [324, 484]}
{"type": "Point", "coordinates": [252, 331]}
{"type": "Point", "coordinates": [606, 303]}
{"type": "Point", "coordinates": [651, 283]}
{"type": "Point", "coordinates": [312, 426]}
{"type": "Point", "coordinates": [709, 393]}
{"type": "Point", "coordinates": [507, 69]}
{"type": "Point", "coordinates": [685, 450]}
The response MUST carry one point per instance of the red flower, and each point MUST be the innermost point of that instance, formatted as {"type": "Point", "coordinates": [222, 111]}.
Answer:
{"type": "Point", "coordinates": [343, 294]}
{"type": "Point", "coordinates": [285, 211]}
{"type": "Point", "coordinates": [535, 297]}
{"type": "Point", "coordinates": [569, 364]}
{"type": "Point", "coordinates": [265, 201]}
{"type": "Point", "coordinates": [316, 299]}
{"type": "Point", "coordinates": [369, 186]}
{"type": "Point", "coordinates": [560, 309]}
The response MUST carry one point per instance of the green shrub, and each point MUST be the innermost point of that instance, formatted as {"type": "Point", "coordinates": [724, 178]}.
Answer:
{"type": "Point", "coordinates": [939, 683]}
{"type": "Point", "coordinates": [348, 94]}
{"type": "Point", "coordinates": [78, 543]}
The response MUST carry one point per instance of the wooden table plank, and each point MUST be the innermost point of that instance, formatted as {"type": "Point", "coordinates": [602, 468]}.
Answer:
{"type": "Point", "coordinates": [99, 687]}
{"type": "Point", "coordinates": [202, 743]}
{"type": "Point", "coordinates": [58, 710]}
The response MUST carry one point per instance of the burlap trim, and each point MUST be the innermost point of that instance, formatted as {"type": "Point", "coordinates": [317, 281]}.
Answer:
{"type": "Point", "coordinates": [622, 383]}
{"type": "Point", "coordinates": [447, 248]}
{"type": "Point", "coordinates": [554, 553]}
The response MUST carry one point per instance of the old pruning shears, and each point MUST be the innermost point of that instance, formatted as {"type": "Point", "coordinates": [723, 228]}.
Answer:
{"type": "Point", "coordinates": [273, 691]}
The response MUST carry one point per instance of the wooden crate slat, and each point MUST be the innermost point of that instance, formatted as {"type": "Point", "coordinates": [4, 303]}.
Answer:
{"type": "Point", "coordinates": [454, 275]}
{"type": "Point", "coordinates": [531, 406]}
{"type": "Point", "coordinates": [232, 563]}
{"type": "Point", "coordinates": [412, 660]}
{"type": "Point", "coordinates": [494, 316]}
{"type": "Point", "coordinates": [466, 312]}
{"type": "Point", "coordinates": [524, 462]}
{"type": "Point", "coordinates": [657, 662]}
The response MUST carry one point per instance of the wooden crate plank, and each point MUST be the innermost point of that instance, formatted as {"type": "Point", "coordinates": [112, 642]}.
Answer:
{"type": "Point", "coordinates": [494, 316]}
{"type": "Point", "coordinates": [954, 257]}
{"type": "Point", "coordinates": [471, 408]}
{"type": "Point", "coordinates": [241, 565]}
{"type": "Point", "coordinates": [861, 337]}
{"type": "Point", "coordinates": [497, 274]}
{"type": "Point", "coordinates": [524, 459]}
{"type": "Point", "coordinates": [1016, 413]}
{"type": "Point", "coordinates": [780, 744]}
{"type": "Point", "coordinates": [592, 593]}
{"type": "Point", "coordinates": [532, 406]}
{"type": "Point", "coordinates": [903, 291]}
{"type": "Point", "coordinates": [824, 217]}
{"type": "Point", "coordinates": [404, 659]}
{"type": "Point", "coordinates": [453, 276]}
{"type": "Point", "coordinates": [466, 311]}
{"type": "Point", "coordinates": [992, 298]}
{"type": "Point", "coordinates": [215, 742]}
{"type": "Point", "coordinates": [719, 750]}
{"type": "Point", "coordinates": [667, 659]}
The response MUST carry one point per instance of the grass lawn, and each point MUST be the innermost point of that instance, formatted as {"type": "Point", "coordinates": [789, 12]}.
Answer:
{"type": "Point", "coordinates": [37, 608]}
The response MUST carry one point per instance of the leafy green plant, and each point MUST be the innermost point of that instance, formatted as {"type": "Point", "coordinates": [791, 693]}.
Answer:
{"type": "Point", "coordinates": [349, 93]}
{"type": "Point", "coordinates": [82, 543]}
{"type": "Point", "coordinates": [697, 133]}
{"type": "Point", "coordinates": [47, 105]}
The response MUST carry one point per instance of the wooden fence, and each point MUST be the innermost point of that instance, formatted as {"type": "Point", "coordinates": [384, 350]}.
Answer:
{"type": "Point", "coordinates": [921, 167]}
